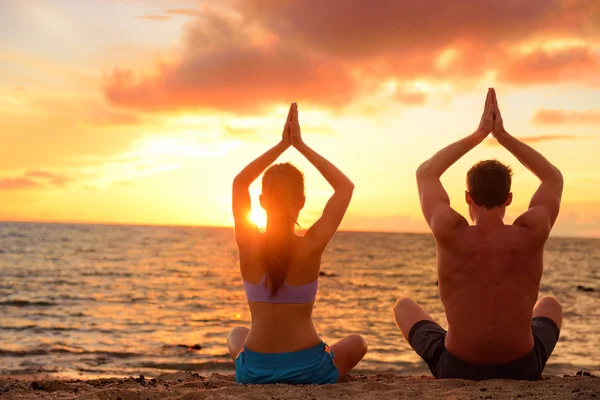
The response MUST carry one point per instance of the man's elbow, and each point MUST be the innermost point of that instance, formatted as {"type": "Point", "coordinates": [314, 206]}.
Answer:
{"type": "Point", "coordinates": [559, 176]}
{"type": "Point", "coordinates": [422, 171]}
{"type": "Point", "coordinates": [556, 177]}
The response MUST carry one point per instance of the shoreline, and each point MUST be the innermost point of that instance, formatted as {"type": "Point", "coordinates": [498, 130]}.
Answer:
{"type": "Point", "coordinates": [191, 385]}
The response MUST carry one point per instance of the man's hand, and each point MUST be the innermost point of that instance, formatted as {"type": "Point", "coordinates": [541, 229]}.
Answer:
{"type": "Point", "coordinates": [487, 119]}
{"type": "Point", "coordinates": [498, 131]}
{"type": "Point", "coordinates": [295, 135]}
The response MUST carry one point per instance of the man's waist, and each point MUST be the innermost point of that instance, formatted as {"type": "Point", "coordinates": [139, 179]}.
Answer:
{"type": "Point", "coordinates": [488, 348]}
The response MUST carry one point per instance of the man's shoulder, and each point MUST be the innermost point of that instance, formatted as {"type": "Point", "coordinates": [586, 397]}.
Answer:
{"type": "Point", "coordinates": [509, 238]}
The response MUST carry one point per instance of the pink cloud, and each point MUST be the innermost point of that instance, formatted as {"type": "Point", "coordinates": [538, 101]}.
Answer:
{"type": "Point", "coordinates": [355, 29]}
{"type": "Point", "coordinates": [158, 18]}
{"type": "Point", "coordinates": [221, 69]}
{"type": "Point", "coordinates": [53, 178]}
{"type": "Point", "coordinates": [412, 98]}
{"type": "Point", "coordinates": [182, 11]}
{"type": "Point", "coordinates": [267, 52]}
{"type": "Point", "coordinates": [566, 65]}
{"type": "Point", "coordinates": [108, 117]}
{"type": "Point", "coordinates": [17, 183]}
{"type": "Point", "coordinates": [562, 117]}
{"type": "Point", "coordinates": [539, 139]}
{"type": "Point", "coordinates": [33, 179]}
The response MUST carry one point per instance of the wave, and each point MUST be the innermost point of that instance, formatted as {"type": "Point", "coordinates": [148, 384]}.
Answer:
{"type": "Point", "coordinates": [67, 350]}
{"type": "Point", "coordinates": [62, 282]}
{"type": "Point", "coordinates": [17, 328]}
{"type": "Point", "coordinates": [27, 303]}
{"type": "Point", "coordinates": [39, 329]}
{"type": "Point", "coordinates": [79, 250]}
{"type": "Point", "coordinates": [14, 235]}
{"type": "Point", "coordinates": [108, 273]}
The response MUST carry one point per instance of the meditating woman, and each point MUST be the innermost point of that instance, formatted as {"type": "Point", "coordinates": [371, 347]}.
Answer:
{"type": "Point", "coordinates": [280, 271]}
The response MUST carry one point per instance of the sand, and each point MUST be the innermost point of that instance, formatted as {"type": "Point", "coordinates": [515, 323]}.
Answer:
{"type": "Point", "coordinates": [190, 386]}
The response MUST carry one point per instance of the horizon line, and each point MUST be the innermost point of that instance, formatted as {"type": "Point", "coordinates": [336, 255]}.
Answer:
{"type": "Point", "coordinates": [159, 225]}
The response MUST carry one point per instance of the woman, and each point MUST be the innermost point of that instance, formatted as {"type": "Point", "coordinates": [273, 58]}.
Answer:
{"type": "Point", "coordinates": [281, 270]}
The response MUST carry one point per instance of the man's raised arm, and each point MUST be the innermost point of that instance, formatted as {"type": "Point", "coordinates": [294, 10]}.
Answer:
{"type": "Point", "coordinates": [435, 202]}
{"type": "Point", "coordinates": [545, 203]}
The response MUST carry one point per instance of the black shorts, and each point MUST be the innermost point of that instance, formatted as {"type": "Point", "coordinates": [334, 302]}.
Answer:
{"type": "Point", "coordinates": [427, 339]}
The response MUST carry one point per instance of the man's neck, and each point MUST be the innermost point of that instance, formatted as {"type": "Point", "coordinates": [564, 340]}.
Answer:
{"type": "Point", "coordinates": [489, 218]}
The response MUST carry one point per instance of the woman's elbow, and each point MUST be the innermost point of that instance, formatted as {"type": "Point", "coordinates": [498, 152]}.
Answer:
{"type": "Point", "coordinates": [238, 181]}
{"type": "Point", "coordinates": [350, 187]}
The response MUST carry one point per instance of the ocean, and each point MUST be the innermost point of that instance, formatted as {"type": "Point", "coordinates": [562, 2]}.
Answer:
{"type": "Point", "coordinates": [88, 301]}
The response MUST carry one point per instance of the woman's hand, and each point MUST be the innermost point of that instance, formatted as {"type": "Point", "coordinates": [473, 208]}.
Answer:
{"type": "Point", "coordinates": [286, 139]}
{"type": "Point", "coordinates": [295, 135]}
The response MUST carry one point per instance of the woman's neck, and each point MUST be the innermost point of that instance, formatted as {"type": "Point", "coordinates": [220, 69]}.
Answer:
{"type": "Point", "coordinates": [280, 225]}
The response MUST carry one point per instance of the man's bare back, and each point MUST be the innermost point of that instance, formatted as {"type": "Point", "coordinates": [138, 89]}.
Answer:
{"type": "Point", "coordinates": [502, 275]}
{"type": "Point", "coordinates": [489, 273]}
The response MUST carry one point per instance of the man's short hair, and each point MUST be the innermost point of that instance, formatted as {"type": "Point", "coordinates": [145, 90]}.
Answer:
{"type": "Point", "coordinates": [488, 183]}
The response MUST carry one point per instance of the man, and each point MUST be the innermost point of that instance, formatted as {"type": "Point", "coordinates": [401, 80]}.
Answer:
{"type": "Point", "coordinates": [489, 273]}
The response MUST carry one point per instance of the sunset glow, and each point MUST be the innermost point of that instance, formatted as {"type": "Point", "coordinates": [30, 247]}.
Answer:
{"type": "Point", "coordinates": [258, 217]}
{"type": "Point", "coordinates": [122, 111]}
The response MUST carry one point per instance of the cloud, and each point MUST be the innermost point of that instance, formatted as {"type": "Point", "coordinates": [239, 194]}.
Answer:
{"type": "Point", "coordinates": [17, 183]}
{"type": "Point", "coordinates": [264, 53]}
{"type": "Point", "coordinates": [322, 129]}
{"type": "Point", "coordinates": [101, 117]}
{"type": "Point", "coordinates": [190, 12]}
{"type": "Point", "coordinates": [539, 139]}
{"type": "Point", "coordinates": [561, 117]}
{"type": "Point", "coordinates": [124, 183]}
{"type": "Point", "coordinates": [158, 18]}
{"type": "Point", "coordinates": [167, 14]}
{"type": "Point", "coordinates": [240, 133]}
{"type": "Point", "coordinates": [399, 28]}
{"type": "Point", "coordinates": [411, 98]}
{"type": "Point", "coordinates": [543, 66]}
{"type": "Point", "coordinates": [34, 179]}
{"type": "Point", "coordinates": [222, 69]}
{"type": "Point", "coordinates": [439, 40]}
{"type": "Point", "coordinates": [51, 177]}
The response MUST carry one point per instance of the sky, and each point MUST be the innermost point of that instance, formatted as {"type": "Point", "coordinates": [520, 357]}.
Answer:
{"type": "Point", "coordinates": [143, 111]}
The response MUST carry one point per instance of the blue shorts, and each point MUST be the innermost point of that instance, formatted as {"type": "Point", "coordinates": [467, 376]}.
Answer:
{"type": "Point", "coordinates": [311, 366]}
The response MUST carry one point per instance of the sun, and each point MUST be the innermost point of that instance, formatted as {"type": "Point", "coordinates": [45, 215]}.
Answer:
{"type": "Point", "coordinates": [258, 217]}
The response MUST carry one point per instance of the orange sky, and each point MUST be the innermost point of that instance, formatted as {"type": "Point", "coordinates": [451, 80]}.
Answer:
{"type": "Point", "coordinates": [143, 111]}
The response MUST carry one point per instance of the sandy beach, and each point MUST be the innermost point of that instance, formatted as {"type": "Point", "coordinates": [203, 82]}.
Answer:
{"type": "Point", "coordinates": [190, 386]}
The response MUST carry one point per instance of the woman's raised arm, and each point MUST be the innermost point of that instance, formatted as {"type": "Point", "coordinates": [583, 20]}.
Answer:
{"type": "Point", "coordinates": [322, 231]}
{"type": "Point", "coordinates": [244, 228]}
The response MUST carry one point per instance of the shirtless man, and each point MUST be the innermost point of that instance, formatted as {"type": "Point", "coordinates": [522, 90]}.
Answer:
{"type": "Point", "coordinates": [489, 273]}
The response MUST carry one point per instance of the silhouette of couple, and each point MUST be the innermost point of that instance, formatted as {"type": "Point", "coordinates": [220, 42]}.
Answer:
{"type": "Point", "coordinates": [489, 273]}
